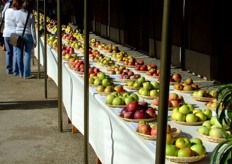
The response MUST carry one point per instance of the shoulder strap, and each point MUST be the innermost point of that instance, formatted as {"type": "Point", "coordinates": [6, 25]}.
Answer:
{"type": "Point", "coordinates": [25, 24]}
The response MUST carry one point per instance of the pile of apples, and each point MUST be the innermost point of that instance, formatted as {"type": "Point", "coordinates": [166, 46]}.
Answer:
{"type": "Point", "coordinates": [188, 85]}
{"type": "Point", "coordinates": [150, 128]}
{"type": "Point", "coordinates": [117, 99]}
{"type": "Point", "coordinates": [212, 104]}
{"type": "Point", "coordinates": [150, 89]}
{"type": "Point", "coordinates": [152, 70]}
{"type": "Point", "coordinates": [78, 65]}
{"type": "Point", "coordinates": [137, 83]}
{"type": "Point", "coordinates": [130, 61]}
{"type": "Point", "coordinates": [187, 113]}
{"type": "Point", "coordinates": [120, 56]}
{"type": "Point", "coordinates": [185, 147]}
{"type": "Point", "coordinates": [174, 100]}
{"type": "Point", "coordinates": [205, 93]}
{"type": "Point", "coordinates": [94, 43]}
{"type": "Point", "coordinates": [115, 69]}
{"type": "Point", "coordinates": [110, 89]}
{"type": "Point", "coordinates": [138, 110]}
{"type": "Point", "coordinates": [93, 53]}
{"type": "Point", "coordinates": [100, 79]}
{"type": "Point", "coordinates": [141, 68]}
{"type": "Point", "coordinates": [213, 128]}
{"type": "Point", "coordinates": [127, 74]}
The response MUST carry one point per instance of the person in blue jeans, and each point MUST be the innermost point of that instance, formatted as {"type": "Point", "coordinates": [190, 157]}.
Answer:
{"type": "Point", "coordinates": [10, 27]}
{"type": "Point", "coordinates": [23, 55]}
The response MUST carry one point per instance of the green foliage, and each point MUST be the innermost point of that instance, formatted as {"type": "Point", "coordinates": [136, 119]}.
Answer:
{"type": "Point", "coordinates": [222, 154]}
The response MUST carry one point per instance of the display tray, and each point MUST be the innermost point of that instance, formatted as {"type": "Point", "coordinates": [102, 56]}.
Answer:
{"type": "Point", "coordinates": [204, 99]}
{"type": "Point", "coordinates": [188, 123]}
{"type": "Point", "coordinates": [148, 97]}
{"type": "Point", "coordinates": [186, 159]}
{"type": "Point", "coordinates": [132, 88]}
{"type": "Point", "coordinates": [172, 83]}
{"type": "Point", "coordinates": [175, 132]}
{"type": "Point", "coordinates": [103, 93]}
{"type": "Point", "coordinates": [211, 139]}
{"type": "Point", "coordinates": [137, 120]}
{"type": "Point", "coordinates": [80, 73]}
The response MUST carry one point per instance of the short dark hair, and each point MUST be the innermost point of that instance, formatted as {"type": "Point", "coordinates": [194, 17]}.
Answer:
{"type": "Point", "coordinates": [17, 4]}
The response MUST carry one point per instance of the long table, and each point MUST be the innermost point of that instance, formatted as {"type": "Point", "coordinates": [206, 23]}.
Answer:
{"type": "Point", "coordinates": [113, 139]}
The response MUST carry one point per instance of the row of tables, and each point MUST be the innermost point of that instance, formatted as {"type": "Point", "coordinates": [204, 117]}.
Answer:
{"type": "Point", "coordinates": [113, 139]}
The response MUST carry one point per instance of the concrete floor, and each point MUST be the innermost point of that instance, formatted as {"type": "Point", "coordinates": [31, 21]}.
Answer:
{"type": "Point", "coordinates": [29, 131]}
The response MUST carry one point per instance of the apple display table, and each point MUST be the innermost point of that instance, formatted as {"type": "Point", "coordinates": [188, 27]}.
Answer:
{"type": "Point", "coordinates": [113, 139]}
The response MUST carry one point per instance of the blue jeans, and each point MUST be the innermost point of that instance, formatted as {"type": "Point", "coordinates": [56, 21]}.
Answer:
{"type": "Point", "coordinates": [24, 61]}
{"type": "Point", "coordinates": [9, 58]}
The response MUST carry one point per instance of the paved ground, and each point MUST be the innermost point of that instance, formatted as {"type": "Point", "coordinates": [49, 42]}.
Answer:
{"type": "Point", "coordinates": [29, 124]}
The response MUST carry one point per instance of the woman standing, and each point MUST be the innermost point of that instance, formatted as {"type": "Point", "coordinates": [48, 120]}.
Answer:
{"type": "Point", "coordinates": [29, 37]}
{"type": "Point", "coordinates": [9, 27]}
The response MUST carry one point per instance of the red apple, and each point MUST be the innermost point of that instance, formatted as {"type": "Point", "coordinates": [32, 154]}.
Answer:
{"type": "Point", "coordinates": [154, 131]}
{"type": "Point", "coordinates": [132, 106]}
{"type": "Point", "coordinates": [151, 112]}
{"type": "Point", "coordinates": [144, 129]}
{"type": "Point", "coordinates": [177, 77]}
{"type": "Point", "coordinates": [139, 114]}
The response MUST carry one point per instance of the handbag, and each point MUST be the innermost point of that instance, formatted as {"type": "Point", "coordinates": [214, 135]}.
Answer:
{"type": "Point", "coordinates": [1, 34]}
{"type": "Point", "coordinates": [16, 39]}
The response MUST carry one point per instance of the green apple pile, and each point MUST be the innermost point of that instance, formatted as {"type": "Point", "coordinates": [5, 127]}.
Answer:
{"type": "Point", "coordinates": [117, 99]}
{"type": "Point", "coordinates": [213, 128]}
{"type": "Point", "coordinates": [150, 89]}
{"type": "Point", "coordinates": [105, 61]}
{"type": "Point", "coordinates": [185, 147]}
{"type": "Point", "coordinates": [138, 83]}
{"type": "Point", "coordinates": [205, 93]}
{"type": "Point", "coordinates": [100, 79]}
{"type": "Point", "coordinates": [120, 56]}
{"type": "Point", "coordinates": [187, 113]}
{"type": "Point", "coordinates": [110, 89]}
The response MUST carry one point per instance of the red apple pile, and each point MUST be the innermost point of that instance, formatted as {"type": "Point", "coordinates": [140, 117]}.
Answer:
{"type": "Point", "coordinates": [68, 37]}
{"type": "Point", "coordinates": [128, 74]}
{"type": "Point", "coordinates": [67, 50]}
{"type": "Point", "coordinates": [115, 69]}
{"type": "Point", "coordinates": [138, 110]}
{"type": "Point", "coordinates": [141, 68]}
{"type": "Point", "coordinates": [152, 70]}
{"type": "Point", "coordinates": [174, 100]}
{"type": "Point", "coordinates": [150, 128]}
{"type": "Point", "coordinates": [78, 66]}
{"type": "Point", "coordinates": [93, 53]}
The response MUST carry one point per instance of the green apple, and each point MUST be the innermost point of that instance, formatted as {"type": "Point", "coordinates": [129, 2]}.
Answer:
{"type": "Point", "coordinates": [144, 92]}
{"type": "Point", "coordinates": [106, 82]}
{"type": "Point", "coordinates": [100, 88]}
{"type": "Point", "coordinates": [191, 108]}
{"type": "Point", "coordinates": [191, 117]}
{"type": "Point", "coordinates": [91, 80]}
{"type": "Point", "coordinates": [171, 150]}
{"type": "Point", "coordinates": [196, 111]}
{"type": "Point", "coordinates": [203, 130]}
{"type": "Point", "coordinates": [201, 116]}
{"type": "Point", "coordinates": [154, 93]}
{"type": "Point", "coordinates": [128, 99]}
{"type": "Point", "coordinates": [155, 84]}
{"type": "Point", "coordinates": [214, 121]}
{"type": "Point", "coordinates": [207, 124]}
{"type": "Point", "coordinates": [147, 85]}
{"type": "Point", "coordinates": [185, 152]}
{"type": "Point", "coordinates": [178, 116]}
{"type": "Point", "coordinates": [200, 93]}
{"type": "Point", "coordinates": [141, 80]}
{"type": "Point", "coordinates": [182, 142]}
{"type": "Point", "coordinates": [169, 139]}
{"type": "Point", "coordinates": [136, 84]}
{"type": "Point", "coordinates": [176, 109]}
{"type": "Point", "coordinates": [198, 149]}
{"type": "Point", "coordinates": [208, 113]}
{"type": "Point", "coordinates": [194, 94]}
{"type": "Point", "coordinates": [118, 101]}
{"type": "Point", "coordinates": [109, 89]}
{"type": "Point", "coordinates": [97, 81]}
{"type": "Point", "coordinates": [135, 96]}
{"type": "Point", "coordinates": [109, 99]}
{"type": "Point", "coordinates": [130, 83]}
{"type": "Point", "coordinates": [125, 94]}
{"type": "Point", "coordinates": [101, 75]}
{"type": "Point", "coordinates": [195, 141]}
{"type": "Point", "coordinates": [184, 109]}
{"type": "Point", "coordinates": [216, 132]}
